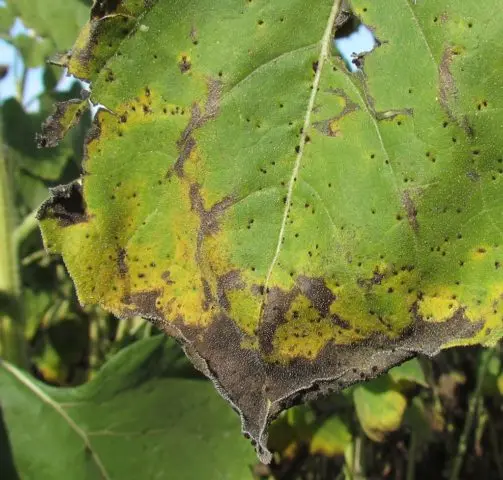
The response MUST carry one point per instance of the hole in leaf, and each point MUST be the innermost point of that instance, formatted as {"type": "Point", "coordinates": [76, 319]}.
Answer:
{"type": "Point", "coordinates": [353, 40]}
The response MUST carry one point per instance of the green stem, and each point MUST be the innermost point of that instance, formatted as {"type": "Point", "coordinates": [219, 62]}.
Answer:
{"type": "Point", "coordinates": [12, 342]}
{"type": "Point", "coordinates": [495, 447]}
{"type": "Point", "coordinates": [411, 460]}
{"type": "Point", "coordinates": [28, 225]}
{"type": "Point", "coordinates": [357, 466]}
{"type": "Point", "coordinates": [94, 346]}
{"type": "Point", "coordinates": [475, 398]}
{"type": "Point", "coordinates": [34, 257]}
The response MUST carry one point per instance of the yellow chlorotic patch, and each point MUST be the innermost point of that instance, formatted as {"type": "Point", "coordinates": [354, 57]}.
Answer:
{"type": "Point", "coordinates": [303, 334]}
{"type": "Point", "coordinates": [245, 309]}
{"type": "Point", "coordinates": [438, 308]}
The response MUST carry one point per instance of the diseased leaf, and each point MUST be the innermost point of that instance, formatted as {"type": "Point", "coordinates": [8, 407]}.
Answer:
{"type": "Point", "coordinates": [66, 115]}
{"type": "Point", "coordinates": [97, 430]}
{"type": "Point", "coordinates": [298, 227]}
{"type": "Point", "coordinates": [19, 130]}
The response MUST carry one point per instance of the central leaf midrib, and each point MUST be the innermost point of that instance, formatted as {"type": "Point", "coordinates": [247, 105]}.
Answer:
{"type": "Point", "coordinates": [324, 49]}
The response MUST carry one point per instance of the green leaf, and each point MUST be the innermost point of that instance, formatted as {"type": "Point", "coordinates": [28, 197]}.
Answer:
{"type": "Point", "coordinates": [491, 382]}
{"type": "Point", "coordinates": [499, 383]}
{"type": "Point", "coordinates": [331, 438]}
{"type": "Point", "coordinates": [423, 422]}
{"type": "Point", "coordinates": [34, 51]}
{"type": "Point", "coordinates": [379, 407]}
{"type": "Point", "coordinates": [298, 427]}
{"type": "Point", "coordinates": [410, 371]}
{"type": "Point", "coordinates": [291, 430]}
{"type": "Point", "coordinates": [6, 20]}
{"type": "Point", "coordinates": [35, 169]}
{"type": "Point", "coordinates": [142, 416]}
{"type": "Point", "coordinates": [298, 226]}
{"type": "Point", "coordinates": [35, 305]}
{"type": "Point", "coordinates": [19, 130]}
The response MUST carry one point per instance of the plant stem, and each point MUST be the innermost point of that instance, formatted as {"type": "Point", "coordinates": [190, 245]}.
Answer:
{"type": "Point", "coordinates": [411, 460]}
{"type": "Point", "coordinates": [475, 398]}
{"type": "Point", "coordinates": [358, 465]}
{"type": "Point", "coordinates": [12, 343]}
{"type": "Point", "coordinates": [94, 346]}
{"type": "Point", "coordinates": [27, 226]}
{"type": "Point", "coordinates": [495, 447]}
{"type": "Point", "coordinates": [34, 257]}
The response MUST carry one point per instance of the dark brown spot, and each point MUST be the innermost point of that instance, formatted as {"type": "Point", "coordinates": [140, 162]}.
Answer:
{"type": "Point", "coordinates": [121, 262]}
{"type": "Point", "coordinates": [184, 64]}
{"type": "Point", "coordinates": [225, 283]}
{"type": "Point", "coordinates": [186, 143]}
{"type": "Point", "coordinates": [411, 211]}
{"type": "Point", "coordinates": [166, 276]}
{"type": "Point", "coordinates": [317, 292]}
{"type": "Point", "coordinates": [327, 127]}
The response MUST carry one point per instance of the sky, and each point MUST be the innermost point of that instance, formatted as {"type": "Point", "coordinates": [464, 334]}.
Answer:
{"type": "Point", "coordinates": [360, 41]}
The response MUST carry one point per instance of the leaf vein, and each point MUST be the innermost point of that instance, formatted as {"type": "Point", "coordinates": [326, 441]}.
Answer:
{"type": "Point", "coordinates": [323, 57]}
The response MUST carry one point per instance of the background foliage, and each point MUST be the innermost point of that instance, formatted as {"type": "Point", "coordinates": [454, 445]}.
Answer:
{"type": "Point", "coordinates": [103, 398]}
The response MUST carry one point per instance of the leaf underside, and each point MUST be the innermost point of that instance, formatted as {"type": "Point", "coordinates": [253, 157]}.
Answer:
{"type": "Point", "coordinates": [297, 227]}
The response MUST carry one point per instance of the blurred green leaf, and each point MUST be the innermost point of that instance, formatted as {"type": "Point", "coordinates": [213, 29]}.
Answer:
{"type": "Point", "coordinates": [37, 169]}
{"type": "Point", "coordinates": [57, 20]}
{"type": "Point", "coordinates": [19, 132]}
{"type": "Point", "coordinates": [499, 383]}
{"type": "Point", "coordinates": [379, 407]}
{"type": "Point", "coordinates": [409, 371]}
{"type": "Point", "coordinates": [6, 19]}
{"type": "Point", "coordinates": [293, 428]}
{"type": "Point", "coordinates": [34, 50]}
{"type": "Point", "coordinates": [36, 303]}
{"type": "Point", "coordinates": [422, 421]}
{"type": "Point", "coordinates": [331, 438]}
{"type": "Point", "coordinates": [51, 76]}
{"type": "Point", "coordinates": [490, 384]}
{"type": "Point", "coordinates": [145, 415]}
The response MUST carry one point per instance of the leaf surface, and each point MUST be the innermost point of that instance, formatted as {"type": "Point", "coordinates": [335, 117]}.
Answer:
{"type": "Point", "coordinates": [118, 426]}
{"type": "Point", "coordinates": [298, 227]}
